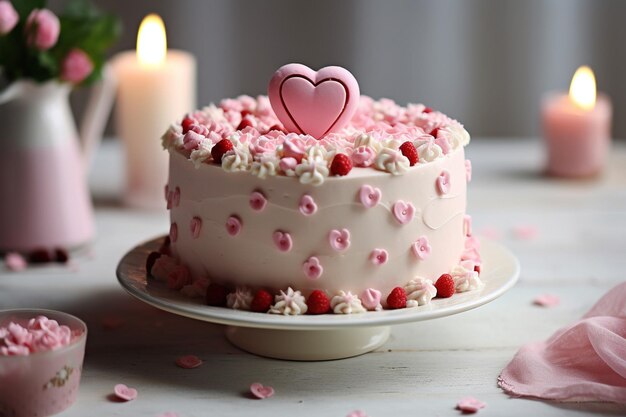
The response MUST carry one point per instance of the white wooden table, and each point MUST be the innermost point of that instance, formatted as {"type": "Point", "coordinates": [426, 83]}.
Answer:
{"type": "Point", "coordinates": [424, 369]}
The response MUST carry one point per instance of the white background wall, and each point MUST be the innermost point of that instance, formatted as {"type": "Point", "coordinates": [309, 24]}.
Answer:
{"type": "Point", "coordinates": [485, 62]}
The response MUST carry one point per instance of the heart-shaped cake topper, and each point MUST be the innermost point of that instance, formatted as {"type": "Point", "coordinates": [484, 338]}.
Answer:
{"type": "Point", "coordinates": [313, 103]}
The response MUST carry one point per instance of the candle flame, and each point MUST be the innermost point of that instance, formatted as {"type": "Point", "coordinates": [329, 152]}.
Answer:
{"type": "Point", "coordinates": [151, 41]}
{"type": "Point", "coordinates": [582, 91]}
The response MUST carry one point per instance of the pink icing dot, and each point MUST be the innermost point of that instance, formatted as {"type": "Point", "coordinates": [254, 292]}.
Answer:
{"type": "Point", "coordinates": [467, 225]}
{"type": "Point", "coordinates": [421, 248]}
{"type": "Point", "coordinates": [195, 226]}
{"type": "Point", "coordinates": [369, 196]}
{"type": "Point", "coordinates": [282, 240]}
{"type": "Point", "coordinates": [312, 268]}
{"type": "Point", "coordinates": [257, 201]}
{"type": "Point", "coordinates": [378, 256]}
{"type": "Point", "coordinates": [233, 225]}
{"type": "Point", "coordinates": [339, 239]}
{"type": "Point", "coordinates": [307, 205]}
{"type": "Point", "coordinates": [176, 197]}
{"type": "Point", "coordinates": [173, 232]}
{"type": "Point", "coordinates": [443, 182]}
{"type": "Point", "coordinates": [403, 212]}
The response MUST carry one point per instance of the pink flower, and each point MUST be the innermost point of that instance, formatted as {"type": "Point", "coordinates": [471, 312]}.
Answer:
{"type": "Point", "coordinates": [76, 66]}
{"type": "Point", "coordinates": [8, 17]}
{"type": "Point", "coordinates": [42, 29]}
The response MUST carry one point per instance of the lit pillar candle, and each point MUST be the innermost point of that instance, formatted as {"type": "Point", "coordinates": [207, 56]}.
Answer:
{"type": "Point", "coordinates": [156, 87]}
{"type": "Point", "coordinates": [577, 128]}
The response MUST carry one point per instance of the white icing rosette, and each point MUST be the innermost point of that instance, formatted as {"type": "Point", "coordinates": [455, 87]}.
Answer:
{"type": "Point", "coordinates": [419, 292]}
{"type": "Point", "coordinates": [265, 166]}
{"type": "Point", "coordinates": [312, 172]}
{"type": "Point", "coordinates": [237, 159]}
{"type": "Point", "coordinates": [428, 150]}
{"type": "Point", "coordinates": [202, 154]}
{"type": "Point", "coordinates": [290, 303]}
{"type": "Point", "coordinates": [346, 303]}
{"type": "Point", "coordinates": [392, 161]}
{"type": "Point", "coordinates": [465, 278]}
{"type": "Point", "coordinates": [240, 299]}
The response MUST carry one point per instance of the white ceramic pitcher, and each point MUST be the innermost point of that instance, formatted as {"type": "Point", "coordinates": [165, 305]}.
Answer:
{"type": "Point", "coordinates": [44, 199]}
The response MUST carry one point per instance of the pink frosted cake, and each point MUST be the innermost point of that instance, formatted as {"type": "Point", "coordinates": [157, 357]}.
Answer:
{"type": "Point", "coordinates": [358, 207]}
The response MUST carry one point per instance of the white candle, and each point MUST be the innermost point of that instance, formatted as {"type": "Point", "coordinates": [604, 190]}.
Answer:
{"type": "Point", "coordinates": [156, 87]}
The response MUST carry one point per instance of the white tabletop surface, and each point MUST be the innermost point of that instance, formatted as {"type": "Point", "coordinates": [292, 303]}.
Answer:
{"type": "Point", "coordinates": [424, 369]}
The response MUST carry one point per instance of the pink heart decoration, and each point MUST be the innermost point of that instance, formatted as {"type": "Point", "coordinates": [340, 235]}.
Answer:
{"type": "Point", "coordinates": [443, 182]}
{"type": "Point", "coordinates": [470, 405]}
{"type": "Point", "coordinates": [313, 103]}
{"type": "Point", "coordinates": [260, 391]}
{"type": "Point", "coordinates": [189, 361]}
{"type": "Point", "coordinates": [369, 196]}
{"type": "Point", "coordinates": [403, 212]}
{"type": "Point", "coordinates": [307, 205]}
{"type": "Point", "coordinates": [339, 240]}
{"type": "Point", "coordinates": [125, 393]}
{"type": "Point", "coordinates": [282, 240]}
{"type": "Point", "coordinates": [233, 225]}
{"type": "Point", "coordinates": [195, 226]}
{"type": "Point", "coordinates": [257, 201]}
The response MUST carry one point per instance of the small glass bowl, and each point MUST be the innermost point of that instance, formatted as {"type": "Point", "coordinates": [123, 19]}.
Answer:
{"type": "Point", "coordinates": [43, 383]}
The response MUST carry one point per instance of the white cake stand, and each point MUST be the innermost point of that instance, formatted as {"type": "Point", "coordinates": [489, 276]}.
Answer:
{"type": "Point", "coordinates": [311, 338]}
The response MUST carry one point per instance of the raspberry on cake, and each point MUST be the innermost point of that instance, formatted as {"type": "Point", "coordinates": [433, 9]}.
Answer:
{"type": "Point", "coordinates": [320, 188]}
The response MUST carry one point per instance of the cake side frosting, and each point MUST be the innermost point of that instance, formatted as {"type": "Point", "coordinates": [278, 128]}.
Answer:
{"type": "Point", "coordinates": [367, 230]}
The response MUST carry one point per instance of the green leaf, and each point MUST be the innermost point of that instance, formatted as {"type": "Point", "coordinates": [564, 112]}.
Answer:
{"type": "Point", "coordinates": [24, 7]}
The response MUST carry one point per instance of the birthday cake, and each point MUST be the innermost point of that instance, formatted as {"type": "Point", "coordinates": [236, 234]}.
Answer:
{"type": "Point", "coordinates": [316, 199]}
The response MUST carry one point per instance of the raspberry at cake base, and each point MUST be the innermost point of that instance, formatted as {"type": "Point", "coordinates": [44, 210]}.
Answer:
{"type": "Point", "coordinates": [377, 205]}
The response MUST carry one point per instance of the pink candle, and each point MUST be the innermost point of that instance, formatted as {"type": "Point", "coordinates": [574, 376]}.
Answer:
{"type": "Point", "coordinates": [577, 128]}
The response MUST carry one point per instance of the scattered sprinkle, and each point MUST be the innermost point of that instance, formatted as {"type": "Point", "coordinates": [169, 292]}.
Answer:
{"type": "Point", "coordinates": [112, 322]}
{"type": "Point", "coordinates": [357, 413]}
{"type": "Point", "coordinates": [547, 300]}
{"type": "Point", "coordinates": [13, 261]}
{"type": "Point", "coordinates": [525, 232]}
{"type": "Point", "coordinates": [470, 405]}
{"type": "Point", "coordinates": [125, 393]}
{"type": "Point", "coordinates": [189, 362]}
{"type": "Point", "coordinates": [260, 391]}
{"type": "Point", "coordinates": [490, 232]}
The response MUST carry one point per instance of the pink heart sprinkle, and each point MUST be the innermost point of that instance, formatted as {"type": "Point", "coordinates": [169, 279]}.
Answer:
{"type": "Point", "coordinates": [369, 196]}
{"type": "Point", "coordinates": [312, 268]}
{"type": "Point", "coordinates": [547, 300]}
{"type": "Point", "coordinates": [257, 201]}
{"type": "Point", "coordinates": [195, 226]}
{"type": "Point", "coordinates": [13, 261]}
{"type": "Point", "coordinates": [403, 212]}
{"type": "Point", "coordinates": [525, 232]}
{"type": "Point", "coordinates": [470, 405]}
{"type": "Point", "coordinates": [125, 393]}
{"type": "Point", "coordinates": [357, 413]}
{"type": "Point", "coordinates": [282, 240]}
{"type": "Point", "coordinates": [307, 205]}
{"type": "Point", "coordinates": [189, 361]}
{"type": "Point", "coordinates": [314, 103]}
{"type": "Point", "coordinates": [443, 182]}
{"type": "Point", "coordinates": [260, 391]}
{"type": "Point", "coordinates": [339, 239]}
{"type": "Point", "coordinates": [233, 225]}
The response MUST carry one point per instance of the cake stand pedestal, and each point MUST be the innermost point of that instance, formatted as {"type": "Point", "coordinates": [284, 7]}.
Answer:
{"type": "Point", "coordinates": [308, 345]}
{"type": "Point", "coordinates": [314, 338]}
